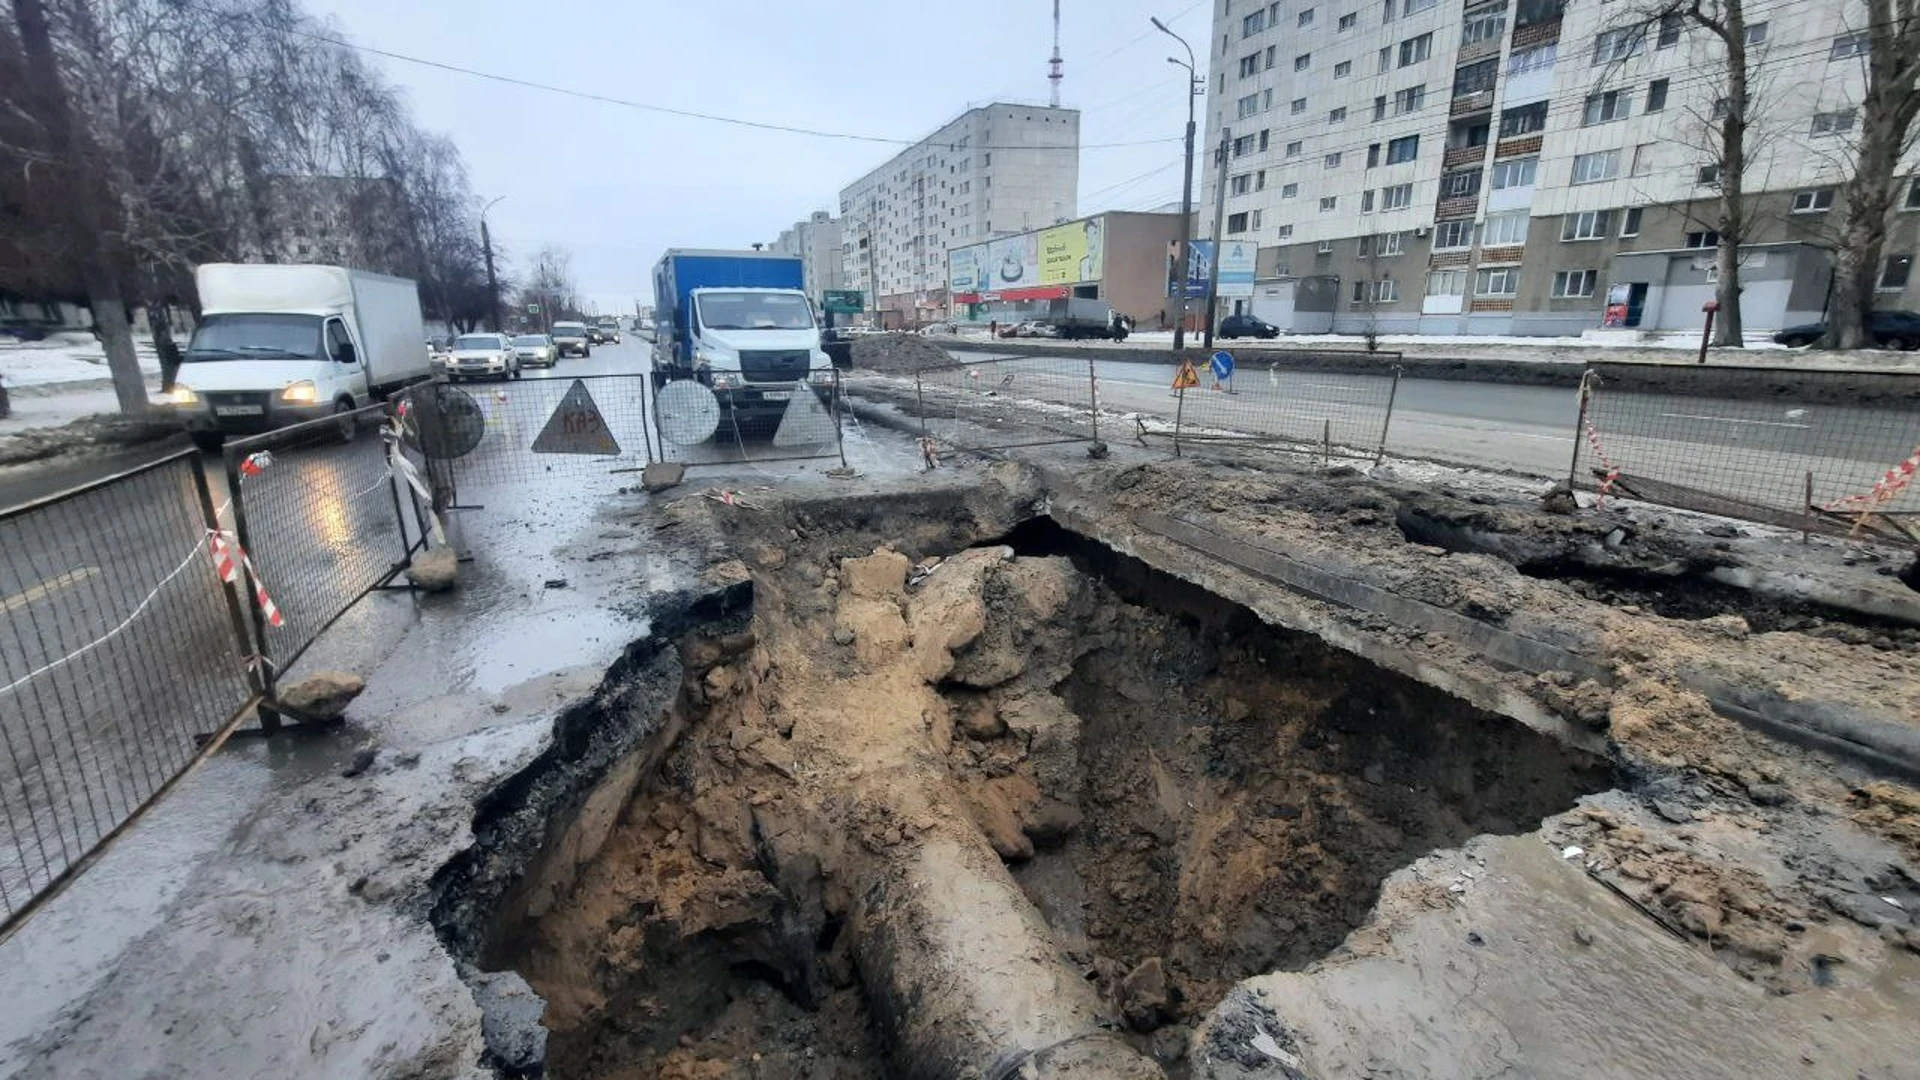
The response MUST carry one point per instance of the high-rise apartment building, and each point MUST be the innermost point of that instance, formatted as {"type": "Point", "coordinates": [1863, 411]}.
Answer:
{"type": "Point", "coordinates": [816, 243]}
{"type": "Point", "coordinates": [992, 171]}
{"type": "Point", "coordinates": [1528, 166]}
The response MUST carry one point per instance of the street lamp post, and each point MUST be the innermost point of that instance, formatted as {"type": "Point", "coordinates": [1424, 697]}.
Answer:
{"type": "Point", "coordinates": [1194, 86]}
{"type": "Point", "coordinates": [493, 282]}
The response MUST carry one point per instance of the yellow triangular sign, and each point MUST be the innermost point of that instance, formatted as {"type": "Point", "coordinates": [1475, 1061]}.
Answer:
{"type": "Point", "coordinates": [1187, 376]}
{"type": "Point", "coordinates": [576, 427]}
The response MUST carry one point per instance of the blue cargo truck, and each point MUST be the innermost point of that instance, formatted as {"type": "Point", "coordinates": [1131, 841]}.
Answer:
{"type": "Point", "coordinates": [738, 322]}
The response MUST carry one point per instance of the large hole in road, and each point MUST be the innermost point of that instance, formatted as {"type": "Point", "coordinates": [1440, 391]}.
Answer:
{"type": "Point", "coordinates": [1185, 795]}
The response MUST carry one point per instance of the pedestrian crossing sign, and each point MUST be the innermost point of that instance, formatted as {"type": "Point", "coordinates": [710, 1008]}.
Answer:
{"type": "Point", "coordinates": [1187, 377]}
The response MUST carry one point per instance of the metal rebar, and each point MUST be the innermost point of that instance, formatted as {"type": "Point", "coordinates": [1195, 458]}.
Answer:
{"type": "Point", "coordinates": [1393, 392]}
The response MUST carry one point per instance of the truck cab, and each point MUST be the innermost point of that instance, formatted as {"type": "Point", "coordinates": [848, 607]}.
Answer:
{"type": "Point", "coordinates": [740, 324]}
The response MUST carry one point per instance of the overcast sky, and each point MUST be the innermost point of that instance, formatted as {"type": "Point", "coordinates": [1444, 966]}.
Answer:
{"type": "Point", "coordinates": [617, 185]}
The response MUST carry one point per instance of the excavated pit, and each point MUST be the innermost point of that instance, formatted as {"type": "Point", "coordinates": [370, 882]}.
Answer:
{"type": "Point", "coordinates": [1183, 796]}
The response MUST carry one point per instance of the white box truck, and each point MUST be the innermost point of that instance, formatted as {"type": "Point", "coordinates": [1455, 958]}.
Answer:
{"type": "Point", "coordinates": [280, 344]}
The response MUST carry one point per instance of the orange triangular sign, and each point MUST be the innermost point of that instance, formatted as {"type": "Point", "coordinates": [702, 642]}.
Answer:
{"type": "Point", "coordinates": [576, 427]}
{"type": "Point", "coordinates": [1187, 376]}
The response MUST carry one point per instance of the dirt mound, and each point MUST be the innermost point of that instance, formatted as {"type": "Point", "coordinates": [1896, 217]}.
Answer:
{"type": "Point", "coordinates": [89, 434]}
{"type": "Point", "coordinates": [897, 354]}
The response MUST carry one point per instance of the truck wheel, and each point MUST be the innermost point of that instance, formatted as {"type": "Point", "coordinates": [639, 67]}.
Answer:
{"type": "Point", "coordinates": [343, 418]}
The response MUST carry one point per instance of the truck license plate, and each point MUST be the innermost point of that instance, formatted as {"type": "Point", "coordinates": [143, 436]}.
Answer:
{"type": "Point", "coordinates": [775, 395]}
{"type": "Point", "coordinates": [238, 410]}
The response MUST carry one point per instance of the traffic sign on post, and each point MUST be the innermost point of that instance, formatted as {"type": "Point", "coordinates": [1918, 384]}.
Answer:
{"type": "Point", "coordinates": [576, 427]}
{"type": "Point", "coordinates": [844, 301]}
{"type": "Point", "coordinates": [533, 309]}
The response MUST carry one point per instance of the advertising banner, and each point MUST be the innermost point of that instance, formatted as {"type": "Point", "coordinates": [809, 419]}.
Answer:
{"type": "Point", "coordinates": [964, 269]}
{"type": "Point", "coordinates": [1199, 266]}
{"type": "Point", "coordinates": [1013, 262]}
{"type": "Point", "coordinates": [1236, 268]}
{"type": "Point", "coordinates": [1073, 253]}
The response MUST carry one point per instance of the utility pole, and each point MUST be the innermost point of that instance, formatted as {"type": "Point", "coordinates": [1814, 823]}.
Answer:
{"type": "Point", "coordinates": [1219, 219]}
{"type": "Point", "coordinates": [493, 282]}
{"type": "Point", "coordinates": [1185, 256]}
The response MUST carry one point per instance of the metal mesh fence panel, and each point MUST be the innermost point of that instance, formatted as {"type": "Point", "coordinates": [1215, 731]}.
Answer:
{"type": "Point", "coordinates": [1799, 449]}
{"type": "Point", "coordinates": [755, 424]}
{"type": "Point", "coordinates": [1322, 412]}
{"type": "Point", "coordinates": [1008, 403]}
{"type": "Point", "coordinates": [317, 511]}
{"type": "Point", "coordinates": [119, 649]}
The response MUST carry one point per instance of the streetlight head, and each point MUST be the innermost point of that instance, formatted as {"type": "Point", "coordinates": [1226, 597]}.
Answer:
{"type": "Point", "coordinates": [1157, 24]}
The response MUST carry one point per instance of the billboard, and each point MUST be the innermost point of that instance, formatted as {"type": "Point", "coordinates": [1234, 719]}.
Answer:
{"type": "Point", "coordinates": [965, 269]}
{"type": "Point", "coordinates": [1073, 253]}
{"type": "Point", "coordinates": [1199, 267]}
{"type": "Point", "coordinates": [1013, 262]}
{"type": "Point", "coordinates": [1236, 267]}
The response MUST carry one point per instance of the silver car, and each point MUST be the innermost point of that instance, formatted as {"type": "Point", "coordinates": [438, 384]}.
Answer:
{"type": "Point", "coordinates": [534, 350]}
{"type": "Point", "coordinates": [482, 356]}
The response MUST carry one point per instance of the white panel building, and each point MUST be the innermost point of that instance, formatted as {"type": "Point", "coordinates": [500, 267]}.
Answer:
{"type": "Point", "coordinates": [816, 243]}
{"type": "Point", "coordinates": [992, 171]}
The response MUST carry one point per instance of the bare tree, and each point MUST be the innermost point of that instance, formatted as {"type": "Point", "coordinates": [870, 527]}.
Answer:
{"type": "Point", "coordinates": [1888, 106]}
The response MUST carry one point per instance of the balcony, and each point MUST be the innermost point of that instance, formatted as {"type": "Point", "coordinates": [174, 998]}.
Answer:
{"type": "Point", "coordinates": [1479, 101]}
{"type": "Point", "coordinates": [1526, 37]}
{"type": "Point", "coordinates": [1479, 50]}
{"type": "Point", "coordinates": [1458, 206]}
{"type": "Point", "coordinates": [1463, 155]}
{"type": "Point", "coordinates": [1505, 304]}
{"type": "Point", "coordinates": [1510, 255]}
{"type": "Point", "coordinates": [1520, 147]}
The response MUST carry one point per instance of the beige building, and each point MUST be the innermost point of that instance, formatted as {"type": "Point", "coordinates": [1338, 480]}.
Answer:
{"type": "Point", "coordinates": [1527, 166]}
{"type": "Point", "coordinates": [992, 171]}
{"type": "Point", "coordinates": [1120, 257]}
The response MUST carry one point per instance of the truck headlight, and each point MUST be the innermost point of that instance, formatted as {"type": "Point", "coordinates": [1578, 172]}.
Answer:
{"type": "Point", "coordinates": [182, 395]}
{"type": "Point", "coordinates": [303, 392]}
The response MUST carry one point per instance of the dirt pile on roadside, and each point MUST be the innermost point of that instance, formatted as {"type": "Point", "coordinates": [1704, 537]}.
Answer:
{"type": "Point", "coordinates": [89, 434]}
{"type": "Point", "coordinates": [897, 354]}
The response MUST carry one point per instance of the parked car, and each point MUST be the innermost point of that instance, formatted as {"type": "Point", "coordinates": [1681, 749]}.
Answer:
{"type": "Point", "coordinates": [534, 349]}
{"type": "Point", "coordinates": [1888, 329]}
{"type": "Point", "coordinates": [1030, 328]}
{"type": "Point", "coordinates": [572, 338]}
{"type": "Point", "coordinates": [482, 355]}
{"type": "Point", "coordinates": [940, 329]}
{"type": "Point", "coordinates": [1234, 326]}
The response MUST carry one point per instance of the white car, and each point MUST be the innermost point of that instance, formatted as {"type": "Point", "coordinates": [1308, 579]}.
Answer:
{"type": "Point", "coordinates": [534, 350]}
{"type": "Point", "coordinates": [482, 356]}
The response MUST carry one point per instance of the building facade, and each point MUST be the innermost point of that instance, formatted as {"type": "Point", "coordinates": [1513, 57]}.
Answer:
{"type": "Point", "coordinates": [1529, 166]}
{"type": "Point", "coordinates": [816, 243]}
{"type": "Point", "coordinates": [1119, 257]}
{"type": "Point", "coordinates": [992, 171]}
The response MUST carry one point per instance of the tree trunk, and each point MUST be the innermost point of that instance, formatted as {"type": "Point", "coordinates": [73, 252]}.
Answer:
{"type": "Point", "coordinates": [1729, 330]}
{"type": "Point", "coordinates": [160, 325]}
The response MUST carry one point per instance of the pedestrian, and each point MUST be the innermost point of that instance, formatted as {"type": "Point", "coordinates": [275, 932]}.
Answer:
{"type": "Point", "coordinates": [993, 328]}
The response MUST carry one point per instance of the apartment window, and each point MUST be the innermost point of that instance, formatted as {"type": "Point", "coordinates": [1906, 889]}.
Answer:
{"type": "Point", "coordinates": [1373, 155]}
{"type": "Point", "coordinates": [1397, 197]}
{"type": "Point", "coordinates": [1607, 106]}
{"type": "Point", "coordinates": [1534, 59]}
{"type": "Point", "coordinates": [1502, 282]}
{"type": "Point", "coordinates": [1409, 7]}
{"type": "Point", "coordinates": [1708, 174]}
{"type": "Point", "coordinates": [1849, 45]}
{"type": "Point", "coordinates": [1249, 66]}
{"type": "Point", "coordinates": [1324, 247]}
{"type": "Point", "coordinates": [1612, 45]}
{"type": "Point", "coordinates": [1366, 201]}
{"type": "Point", "coordinates": [1670, 25]}
{"type": "Point", "coordinates": [1263, 140]}
{"type": "Point", "coordinates": [1240, 185]}
{"type": "Point", "coordinates": [1476, 78]}
{"type": "Point", "coordinates": [1347, 22]}
{"type": "Point", "coordinates": [1253, 23]}
{"type": "Point", "coordinates": [1410, 99]}
{"type": "Point", "coordinates": [1387, 8]}
{"type": "Point", "coordinates": [1447, 283]}
{"type": "Point", "coordinates": [1329, 202]}
{"type": "Point", "coordinates": [1390, 244]}
{"type": "Point", "coordinates": [1379, 108]}
{"type": "Point", "coordinates": [1343, 69]}
{"type": "Point", "coordinates": [1260, 180]}
{"type": "Point", "coordinates": [1404, 148]}
{"type": "Point", "coordinates": [1656, 95]}
{"type": "Point", "coordinates": [1456, 185]}
{"type": "Point", "coordinates": [1243, 146]}
{"type": "Point", "coordinates": [1489, 26]}
{"type": "Point", "coordinates": [1913, 194]}
{"type": "Point", "coordinates": [1364, 249]}
{"type": "Point", "coordinates": [1237, 223]}
{"type": "Point", "coordinates": [1266, 99]}
{"type": "Point", "coordinates": [1514, 173]}
{"type": "Point", "coordinates": [1293, 149]}
{"type": "Point", "coordinates": [1895, 272]}
{"type": "Point", "coordinates": [1573, 284]}
{"type": "Point", "coordinates": [1524, 120]}
{"type": "Point", "coordinates": [1452, 236]}
{"type": "Point", "coordinates": [1630, 222]}
{"type": "Point", "coordinates": [1833, 123]}
{"type": "Point", "coordinates": [1288, 191]}
{"type": "Point", "coordinates": [1642, 160]}
{"type": "Point", "coordinates": [1362, 289]}
{"type": "Point", "coordinates": [1247, 106]}
{"type": "Point", "coordinates": [1415, 50]}
{"type": "Point", "coordinates": [1813, 201]}
{"type": "Point", "coordinates": [1337, 116]}
{"type": "Point", "coordinates": [1586, 225]}
{"type": "Point", "coordinates": [1331, 161]}
{"type": "Point", "coordinates": [1299, 106]}
{"type": "Point", "coordinates": [1284, 232]}
{"type": "Point", "coordinates": [1386, 290]}
{"type": "Point", "coordinates": [1756, 33]}
{"type": "Point", "coordinates": [1701, 239]}
{"type": "Point", "coordinates": [1305, 18]}
{"type": "Point", "coordinates": [1303, 62]}
{"type": "Point", "coordinates": [1595, 167]}
{"type": "Point", "coordinates": [1386, 59]}
{"type": "Point", "coordinates": [1504, 230]}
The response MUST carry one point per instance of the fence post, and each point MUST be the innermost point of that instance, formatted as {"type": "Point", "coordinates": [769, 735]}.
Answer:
{"type": "Point", "coordinates": [1806, 529]}
{"type": "Point", "coordinates": [839, 438]}
{"type": "Point", "coordinates": [1579, 433]}
{"type": "Point", "coordinates": [1393, 393]}
{"type": "Point", "coordinates": [269, 718]}
{"type": "Point", "coordinates": [1326, 441]}
{"type": "Point", "coordinates": [1093, 398]}
{"type": "Point", "coordinates": [920, 406]}
{"type": "Point", "coordinates": [235, 617]}
{"type": "Point", "coordinates": [1179, 416]}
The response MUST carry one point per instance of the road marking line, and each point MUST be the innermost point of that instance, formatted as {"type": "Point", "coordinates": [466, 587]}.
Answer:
{"type": "Point", "coordinates": [1731, 420]}
{"type": "Point", "coordinates": [47, 588]}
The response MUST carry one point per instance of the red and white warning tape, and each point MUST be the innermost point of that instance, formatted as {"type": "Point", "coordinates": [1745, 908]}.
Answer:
{"type": "Point", "coordinates": [1612, 473]}
{"type": "Point", "coordinates": [256, 463]}
{"type": "Point", "coordinates": [1890, 484]}
{"type": "Point", "coordinates": [223, 564]}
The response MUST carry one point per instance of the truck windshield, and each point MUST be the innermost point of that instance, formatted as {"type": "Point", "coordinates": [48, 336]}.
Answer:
{"type": "Point", "coordinates": [255, 337]}
{"type": "Point", "coordinates": [754, 311]}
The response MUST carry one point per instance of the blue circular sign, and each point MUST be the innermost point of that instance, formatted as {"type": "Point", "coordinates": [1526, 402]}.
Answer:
{"type": "Point", "coordinates": [1223, 365]}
